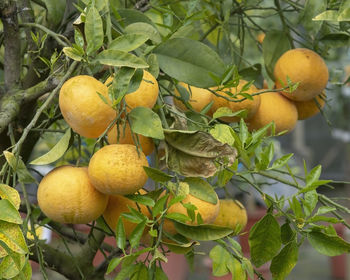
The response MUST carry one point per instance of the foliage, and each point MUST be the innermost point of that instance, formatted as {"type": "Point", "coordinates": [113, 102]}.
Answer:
{"type": "Point", "coordinates": [204, 44]}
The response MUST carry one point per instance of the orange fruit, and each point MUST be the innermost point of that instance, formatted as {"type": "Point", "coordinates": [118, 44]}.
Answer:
{"type": "Point", "coordinates": [118, 169]}
{"type": "Point", "coordinates": [82, 107]}
{"type": "Point", "coordinates": [199, 98]}
{"type": "Point", "coordinates": [66, 195]}
{"type": "Point", "coordinates": [117, 205]}
{"type": "Point", "coordinates": [274, 107]}
{"type": "Point", "coordinates": [125, 137]}
{"type": "Point", "coordinates": [232, 214]}
{"type": "Point", "coordinates": [207, 210]}
{"type": "Point", "coordinates": [303, 66]}
{"type": "Point", "coordinates": [145, 96]}
{"type": "Point", "coordinates": [251, 106]}
{"type": "Point", "coordinates": [309, 108]}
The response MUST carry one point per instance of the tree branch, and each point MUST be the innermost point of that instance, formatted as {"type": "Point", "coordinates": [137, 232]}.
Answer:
{"type": "Point", "coordinates": [12, 44]}
{"type": "Point", "coordinates": [10, 104]}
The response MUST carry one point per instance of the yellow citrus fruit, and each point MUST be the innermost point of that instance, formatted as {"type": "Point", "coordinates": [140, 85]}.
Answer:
{"type": "Point", "coordinates": [274, 107]}
{"type": "Point", "coordinates": [82, 107]}
{"type": "Point", "coordinates": [118, 169]}
{"type": "Point", "coordinates": [303, 66]}
{"type": "Point", "coordinates": [145, 96]}
{"type": "Point", "coordinates": [207, 210]}
{"type": "Point", "coordinates": [309, 108]}
{"type": "Point", "coordinates": [199, 97]}
{"type": "Point", "coordinates": [232, 214]}
{"type": "Point", "coordinates": [125, 137]}
{"type": "Point", "coordinates": [117, 205]}
{"type": "Point", "coordinates": [66, 195]}
{"type": "Point", "coordinates": [251, 106]}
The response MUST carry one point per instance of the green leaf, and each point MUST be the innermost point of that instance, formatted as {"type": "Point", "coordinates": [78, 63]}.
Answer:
{"type": "Point", "coordinates": [222, 132]}
{"type": "Point", "coordinates": [141, 272]}
{"type": "Point", "coordinates": [144, 29]}
{"type": "Point", "coordinates": [120, 234]}
{"type": "Point", "coordinates": [55, 11]}
{"type": "Point", "coordinates": [26, 272]}
{"type": "Point", "coordinates": [287, 234]}
{"type": "Point", "coordinates": [266, 156]}
{"type": "Point", "coordinates": [329, 15]}
{"type": "Point", "coordinates": [282, 161]}
{"type": "Point", "coordinates": [316, 219]}
{"type": "Point", "coordinates": [12, 265]}
{"type": "Point", "coordinates": [227, 112]}
{"type": "Point", "coordinates": [311, 9]}
{"type": "Point", "coordinates": [275, 44]}
{"type": "Point", "coordinates": [73, 53]}
{"type": "Point", "coordinates": [9, 213]}
{"type": "Point", "coordinates": [142, 199]}
{"type": "Point", "coordinates": [313, 175]}
{"type": "Point", "coordinates": [219, 256]}
{"type": "Point", "coordinates": [202, 189]}
{"type": "Point", "coordinates": [178, 217]}
{"type": "Point", "coordinates": [125, 272]}
{"type": "Point", "coordinates": [264, 240]}
{"type": "Point", "coordinates": [157, 175]}
{"type": "Point", "coordinates": [93, 30]}
{"type": "Point", "coordinates": [130, 16]}
{"type": "Point", "coordinates": [137, 234]}
{"type": "Point", "coordinates": [324, 210]}
{"type": "Point", "coordinates": [310, 202]}
{"type": "Point", "coordinates": [153, 65]}
{"type": "Point", "coordinates": [328, 245]}
{"type": "Point", "coordinates": [284, 262]}
{"type": "Point", "coordinates": [159, 206]}
{"type": "Point", "coordinates": [113, 264]}
{"type": "Point", "coordinates": [145, 122]}
{"type": "Point", "coordinates": [160, 275]}
{"type": "Point", "coordinates": [248, 268]}
{"type": "Point", "coordinates": [189, 61]}
{"type": "Point", "coordinates": [56, 152]}
{"type": "Point", "coordinates": [120, 84]}
{"type": "Point", "coordinates": [19, 167]}
{"type": "Point", "coordinates": [336, 39]}
{"type": "Point", "coordinates": [119, 58]}
{"type": "Point", "coordinates": [12, 236]}
{"type": "Point", "coordinates": [202, 232]}
{"type": "Point", "coordinates": [251, 73]}
{"type": "Point", "coordinates": [128, 42]}
{"type": "Point", "coordinates": [6, 192]}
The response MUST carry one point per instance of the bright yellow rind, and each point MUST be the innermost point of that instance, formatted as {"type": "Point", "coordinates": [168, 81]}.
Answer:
{"type": "Point", "coordinates": [274, 107]}
{"type": "Point", "coordinates": [232, 214]}
{"type": "Point", "coordinates": [303, 66]}
{"type": "Point", "coordinates": [66, 195]}
{"type": "Point", "coordinates": [118, 169]}
{"type": "Point", "coordinates": [82, 107]}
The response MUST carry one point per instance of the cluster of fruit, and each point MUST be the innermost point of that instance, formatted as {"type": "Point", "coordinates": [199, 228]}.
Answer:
{"type": "Point", "coordinates": [78, 195]}
{"type": "Point", "coordinates": [285, 108]}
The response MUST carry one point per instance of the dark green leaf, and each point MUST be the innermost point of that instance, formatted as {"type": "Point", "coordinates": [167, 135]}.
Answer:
{"type": "Point", "coordinates": [142, 199]}
{"type": "Point", "coordinates": [119, 58]}
{"type": "Point", "coordinates": [287, 234]}
{"type": "Point", "coordinates": [311, 9]}
{"type": "Point", "coordinates": [144, 29]}
{"type": "Point", "coordinates": [160, 275]}
{"type": "Point", "coordinates": [189, 61]}
{"type": "Point", "coordinates": [251, 73]}
{"type": "Point", "coordinates": [130, 16]}
{"type": "Point", "coordinates": [264, 240]}
{"type": "Point", "coordinates": [275, 44]}
{"type": "Point", "coordinates": [159, 206]}
{"type": "Point", "coordinates": [128, 42]}
{"type": "Point", "coordinates": [93, 30]}
{"type": "Point", "coordinates": [202, 232]}
{"type": "Point", "coordinates": [137, 234]}
{"type": "Point", "coordinates": [202, 190]}
{"type": "Point", "coordinates": [120, 234]}
{"type": "Point", "coordinates": [157, 175]}
{"type": "Point", "coordinates": [120, 84]}
{"type": "Point", "coordinates": [153, 65]}
{"type": "Point", "coordinates": [328, 245]}
{"type": "Point", "coordinates": [55, 11]}
{"type": "Point", "coordinates": [324, 219]}
{"type": "Point", "coordinates": [56, 152]}
{"type": "Point", "coordinates": [336, 39]}
{"type": "Point", "coordinates": [284, 262]}
{"type": "Point", "coordinates": [113, 264]}
{"type": "Point", "coordinates": [296, 207]}
{"type": "Point", "coordinates": [141, 272]}
{"type": "Point", "coordinates": [145, 122]}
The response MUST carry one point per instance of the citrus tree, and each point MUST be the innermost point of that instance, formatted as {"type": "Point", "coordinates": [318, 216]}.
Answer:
{"type": "Point", "coordinates": [149, 109]}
